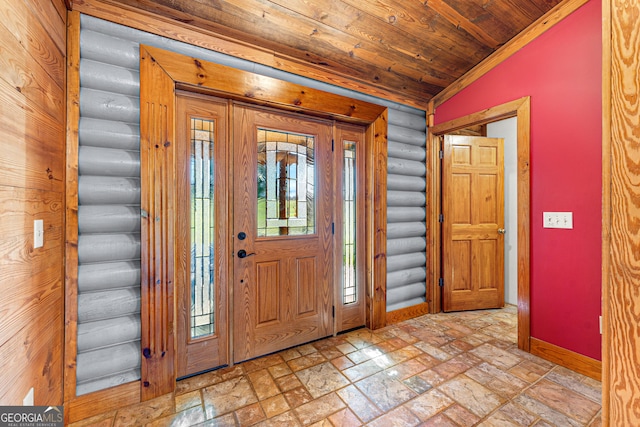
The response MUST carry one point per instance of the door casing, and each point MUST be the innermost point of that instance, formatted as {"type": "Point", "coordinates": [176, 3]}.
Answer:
{"type": "Point", "coordinates": [519, 108]}
{"type": "Point", "coordinates": [161, 74]}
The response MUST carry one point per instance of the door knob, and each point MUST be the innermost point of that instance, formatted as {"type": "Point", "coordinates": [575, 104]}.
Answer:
{"type": "Point", "coordinates": [243, 254]}
{"type": "Point", "coordinates": [501, 231]}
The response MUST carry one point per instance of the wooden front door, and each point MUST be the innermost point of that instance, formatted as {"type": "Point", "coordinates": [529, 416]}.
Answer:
{"type": "Point", "coordinates": [282, 231]}
{"type": "Point", "coordinates": [201, 234]}
{"type": "Point", "coordinates": [473, 223]}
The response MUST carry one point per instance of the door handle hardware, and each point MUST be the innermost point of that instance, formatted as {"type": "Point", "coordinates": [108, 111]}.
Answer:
{"type": "Point", "coordinates": [501, 231]}
{"type": "Point", "coordinates": [242, 235]}
{"type": "Point", "coordinates": [243, 254]}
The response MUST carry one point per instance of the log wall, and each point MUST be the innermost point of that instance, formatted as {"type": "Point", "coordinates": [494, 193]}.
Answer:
{"type": "Point", "coordinates": [108, 266]}
{"type": "Point", "coordinates": [109, 194]}
{"type": "Point", "coordinates": [406, 212]}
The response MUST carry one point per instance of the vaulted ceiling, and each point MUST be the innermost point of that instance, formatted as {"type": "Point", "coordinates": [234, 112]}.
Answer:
{"type": "Point", "coordinates": [417, 47]}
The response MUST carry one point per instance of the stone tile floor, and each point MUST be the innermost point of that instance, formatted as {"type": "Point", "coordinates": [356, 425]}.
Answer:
{"type": "Point", "coordinates": [453, 369]}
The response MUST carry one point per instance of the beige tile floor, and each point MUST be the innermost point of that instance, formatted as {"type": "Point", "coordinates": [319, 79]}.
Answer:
{"type": "Point", "coordinates": [454, 369]}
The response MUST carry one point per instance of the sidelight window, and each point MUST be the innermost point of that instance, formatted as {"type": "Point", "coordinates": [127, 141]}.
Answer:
{"type": "Point", "coordinates": [349, 223]}
{"type": "Point", "coordinates": [202, 228]}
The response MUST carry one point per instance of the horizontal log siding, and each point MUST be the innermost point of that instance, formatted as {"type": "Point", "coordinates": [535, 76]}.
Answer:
{"type": "Point", "coordinates": [108, 214]}
{"type": "Point", "coordinates": [406, 211]}
{"type": "Point", "coordinates": [109, 195]}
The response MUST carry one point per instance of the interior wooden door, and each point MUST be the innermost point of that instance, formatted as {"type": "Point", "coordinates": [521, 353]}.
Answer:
{"type": "Point", "coordinates": [283, 254]}
{"type": "Point", "coordinates": [473, 222]}
{"type": "Point", "coordinates": [201, 234]}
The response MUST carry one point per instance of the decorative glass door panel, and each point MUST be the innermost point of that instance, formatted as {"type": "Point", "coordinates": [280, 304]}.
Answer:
{"type": "Point", "coordinates": [286, 198]}
{"type": "Point", "coordinates": [201, 234]}
{"type": "Point", "coordinates": [349, 223]}
{"type": "Point", "coordinates": [202, 318]}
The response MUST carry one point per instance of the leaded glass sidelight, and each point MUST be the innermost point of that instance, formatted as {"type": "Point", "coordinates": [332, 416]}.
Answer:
{"type": "Point", "coordinates": [286, 180]}
{"type": "Point", "coordinates": [349, 223]}
{"type": "Point", "coordinates": [202, 319]}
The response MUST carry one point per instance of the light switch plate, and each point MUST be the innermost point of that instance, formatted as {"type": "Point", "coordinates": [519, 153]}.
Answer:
{"type": "Point", "coordinates": [38, 233]}
{"type": "Point", "coordinates": [557, 219]}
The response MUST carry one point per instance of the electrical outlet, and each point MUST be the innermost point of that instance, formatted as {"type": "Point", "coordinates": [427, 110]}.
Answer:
{"type": "Point", "coordinates": [28, 399]}
{"type": "Point", "coordinates": [38, 233]}
{"type": "Point", "coordinates": [557, 219]}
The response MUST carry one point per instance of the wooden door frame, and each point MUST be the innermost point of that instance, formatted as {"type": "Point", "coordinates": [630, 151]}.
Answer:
{"type": "Point", "coordinates": [519, 108]}
{"type": "Point", "coordinates": [161, 74]}
{"type": "Point", "coordinates": [214, 110]}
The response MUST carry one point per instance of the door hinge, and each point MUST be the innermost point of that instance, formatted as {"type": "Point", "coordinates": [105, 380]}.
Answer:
{"type": "Point", "coordinates": [441, 154]}
{"type": "Point", "coordinates": [441, 282]}
{"type": "Point", "coordinates": [441, 218]}
{"type": "Point", "coordinates": [333, 228]}
{"type": "Point", "coordinates": [332, 145]}
{"type": "Point", "coordinates": [333, 311]}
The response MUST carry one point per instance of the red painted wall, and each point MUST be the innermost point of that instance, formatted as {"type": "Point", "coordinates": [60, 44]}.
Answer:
{"type": "Point", "coordinates": [561, 71]}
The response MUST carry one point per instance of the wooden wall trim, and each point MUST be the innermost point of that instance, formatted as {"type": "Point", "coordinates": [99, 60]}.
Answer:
{"type": "Point", "coordinates": [432, 205]}
{"type": "Point", "coordinates": [165, 27]}
{"type": "Point", "coordinates": [376, 207]}
{"type": "Point", "coordinates": [406, 313]}
{"type": "Point", "coordinates": [158, 183]}
{"type": "Point", "coordinates": [621, 210]}
{"type": "Point", "coordinates": [544, 23]}
{"type": "Point", "coordinates": [567, 358]}
{"type": "Point", "coordinates": [606, 211]}
{"type": "Point", "coordinates": [197, 75]}
{"type": "Point", "coordinates": [71, 206]}
{"type": "Point", "coordinates": [101, 402]}
{"type": "Point", "coordinates": [523, 113]}
{"type": "Point", "coordinates": [520, 108]}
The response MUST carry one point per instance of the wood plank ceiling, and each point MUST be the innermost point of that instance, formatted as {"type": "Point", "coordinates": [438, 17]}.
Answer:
{"type": "Point", "coordinates": [413, 47]}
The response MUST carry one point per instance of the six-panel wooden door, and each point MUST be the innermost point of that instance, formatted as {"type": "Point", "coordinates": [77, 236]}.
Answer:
{"type": "Point", "coordinates": [473, 222]}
